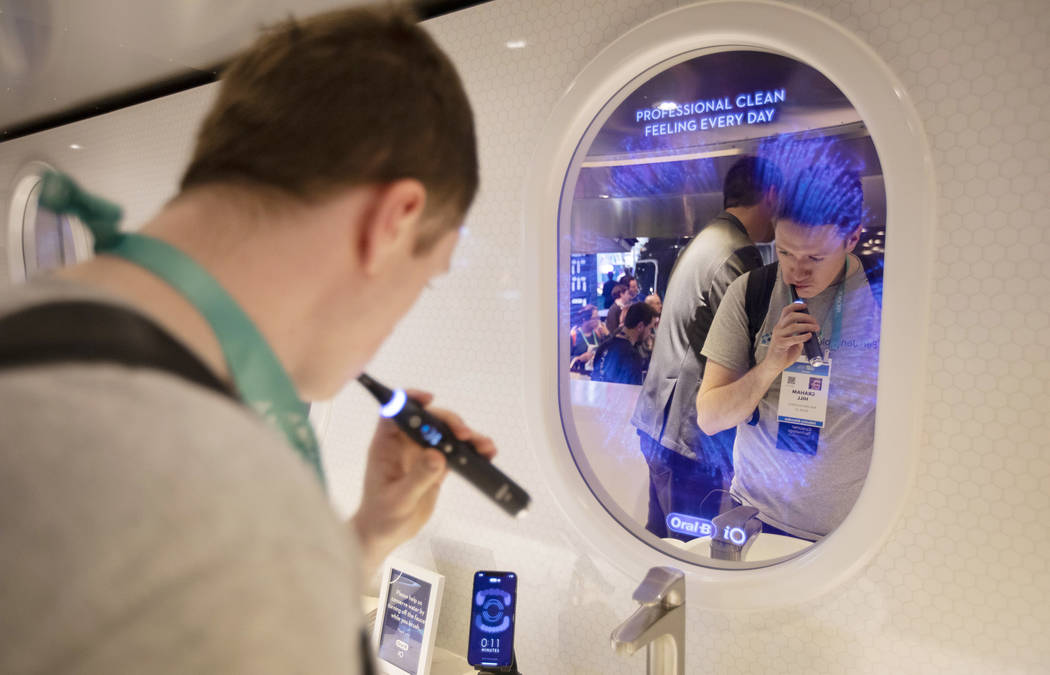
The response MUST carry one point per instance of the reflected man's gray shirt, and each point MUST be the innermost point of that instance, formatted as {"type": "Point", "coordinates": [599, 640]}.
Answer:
{"type": "Point", "coordinates": [805, 495]}
{"type": "Point", "coordinates": [666, 408]}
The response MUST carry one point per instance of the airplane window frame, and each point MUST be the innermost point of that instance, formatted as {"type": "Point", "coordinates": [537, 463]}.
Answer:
{"type": "Point", "coordinates": [22, 222]}
{"type": "Point", "coordinates": [897, 133]}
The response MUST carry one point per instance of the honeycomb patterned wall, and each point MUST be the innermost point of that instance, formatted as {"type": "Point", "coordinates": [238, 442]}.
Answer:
{"type": "Point", "coordinates": [961, 586]}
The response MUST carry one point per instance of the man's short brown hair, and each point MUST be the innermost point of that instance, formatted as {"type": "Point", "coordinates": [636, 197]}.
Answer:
{"type": "Point", "coordinates": [350, 97]}
{"type": "Point", "coordinates": [639, 313]}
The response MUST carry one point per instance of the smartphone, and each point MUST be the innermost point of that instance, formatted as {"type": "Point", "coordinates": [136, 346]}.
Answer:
{"type": "Point", "coordinates": [493, 602]}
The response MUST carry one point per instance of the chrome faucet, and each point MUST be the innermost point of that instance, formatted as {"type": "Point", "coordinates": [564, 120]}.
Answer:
{"type": "Point", "coordinates": [658, 624]}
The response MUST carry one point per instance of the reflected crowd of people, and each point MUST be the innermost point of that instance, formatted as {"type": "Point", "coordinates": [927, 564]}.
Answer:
{"type": "Point", "coordinates": [619, 348]}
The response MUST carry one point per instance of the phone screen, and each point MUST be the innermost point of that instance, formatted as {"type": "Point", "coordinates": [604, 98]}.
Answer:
{"type": "Point", "coordinates": [492, 619]}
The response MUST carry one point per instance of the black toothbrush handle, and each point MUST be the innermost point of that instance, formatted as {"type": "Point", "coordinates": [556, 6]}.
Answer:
{"type": "Point", "coordinates": [814, 353]}
{"type": "Point", "coordinates": [430, 431]}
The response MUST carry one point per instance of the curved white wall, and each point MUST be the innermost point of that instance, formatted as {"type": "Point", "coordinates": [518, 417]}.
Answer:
{"type": "Point", "coordinates": [962, 584]}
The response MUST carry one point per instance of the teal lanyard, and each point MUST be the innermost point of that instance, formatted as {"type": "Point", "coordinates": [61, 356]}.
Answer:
{"type": "Point", "coordinates": [258, 375]}
{"type": "Point", "coordinates": [836, 311]}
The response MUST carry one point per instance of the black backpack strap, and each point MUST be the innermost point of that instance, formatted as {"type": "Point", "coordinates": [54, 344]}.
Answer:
{"type": "Point", "coordinates": [92, 332]}
{"type": "Point", "coordinates": [697, 329]}
{"type": "Point", "coordinates": [760, 284]}
{"type": "Point", "coordinates": [703, 316]}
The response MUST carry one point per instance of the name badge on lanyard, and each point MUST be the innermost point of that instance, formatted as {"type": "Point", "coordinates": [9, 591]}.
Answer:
{"type": "Point", "coordinates": [803, 407]}
{"type": "Point", "coordinates": [804, 387]}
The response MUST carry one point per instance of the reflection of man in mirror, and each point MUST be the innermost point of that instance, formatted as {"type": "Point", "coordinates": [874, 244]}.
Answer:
{"type": "Point", "coordinates": [620, 358]}
{"type": "Point", "coordinates": [619, 297]}
{"type": "Point", "coordinates": [610, 283]}
{"type": "Point", "coordinates": [585, 337]}
{"type": "Point", "coordinates": [803, 461]}
{"type": "Point", "coordinates": [686, 467]}
{"type": "Point", "coordinates": [653, 300]}
{"type": "Point", "coordinates": [633, 292]}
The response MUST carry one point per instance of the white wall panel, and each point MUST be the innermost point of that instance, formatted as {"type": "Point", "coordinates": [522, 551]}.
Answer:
{"type": "Point", "coordinates": [134, 156]}
{"type": "Point", "coordinates": [962, 586]}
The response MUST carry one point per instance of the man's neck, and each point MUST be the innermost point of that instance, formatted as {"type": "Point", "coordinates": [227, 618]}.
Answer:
{"type": "Point", "coordinates": [754, 220]}
{"type": "Point", "coordinates": [157, 300]}
{"type": "Point", "coordinates": [250, 275]}
{"type": "Point", "coordinates": [851, 266]}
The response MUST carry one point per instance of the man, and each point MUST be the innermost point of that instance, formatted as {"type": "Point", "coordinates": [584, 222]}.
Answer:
{"type": "Point", "coordinates": [610, 283]}
{"type": "Point", "coordinates": [585, 337]}
{"type": "Point", "coordinates": [620, 358]}
{"type": "Point", "coordinates": [687, 469]}
{"type": "Point", "coordinates": [612, 318]}
{"type": "Point", "coordinates": [653, 300]}
{"type": "Point", "coordinates": [802, 464]}
{"type": "Point", "coordinates": [633, 292]}
{"type": "Point", "coordinates": [151, 523]}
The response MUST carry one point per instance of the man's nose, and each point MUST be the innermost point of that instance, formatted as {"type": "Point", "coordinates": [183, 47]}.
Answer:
{"type": "Point", "coordinates": [799, 272]}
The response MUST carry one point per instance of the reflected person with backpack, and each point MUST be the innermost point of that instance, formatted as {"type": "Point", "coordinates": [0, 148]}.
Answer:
{"type": "Point", "coordinates": [805, 428]}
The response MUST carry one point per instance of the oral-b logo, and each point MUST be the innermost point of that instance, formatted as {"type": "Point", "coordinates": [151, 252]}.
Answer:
{"type": "Point", "coordinates": [683, 524]}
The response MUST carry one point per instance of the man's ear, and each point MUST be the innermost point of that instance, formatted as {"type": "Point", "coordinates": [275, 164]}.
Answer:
{"type": "Point", "coordinates": [853, 239]}
{"type": "Point", "coordinates": [771, 197]}
{"type": "Point", "coordinates": [390, 222]}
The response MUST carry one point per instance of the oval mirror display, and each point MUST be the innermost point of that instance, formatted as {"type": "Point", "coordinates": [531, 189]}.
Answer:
{"type": "Point", "coordinates": [697, 413]}
{"type": "Point", "coordinates": [47, 238]}
{"type": "Point", "coordinates": [40, 241]}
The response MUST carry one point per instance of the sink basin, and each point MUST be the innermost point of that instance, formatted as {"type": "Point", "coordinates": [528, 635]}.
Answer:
{"type": "Point", "coordinates": [765, 546]}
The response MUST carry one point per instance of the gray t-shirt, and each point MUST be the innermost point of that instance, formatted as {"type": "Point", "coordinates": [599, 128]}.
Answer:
{"type": "Point", "coordinates": [150, 525]}
{"type": "Point", "coordinates": [666, 408]}
{"type": "Point", "coordinates": [806, 495]}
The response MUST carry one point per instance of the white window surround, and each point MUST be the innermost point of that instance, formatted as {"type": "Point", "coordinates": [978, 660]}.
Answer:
{"type": "Point", "coordinates": [904, 154]}
{"type": "Point", "coordinates": [22, 189]}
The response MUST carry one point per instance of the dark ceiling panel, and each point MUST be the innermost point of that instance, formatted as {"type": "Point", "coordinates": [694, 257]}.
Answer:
{"type": "Point", "coordinates": [29, 22]}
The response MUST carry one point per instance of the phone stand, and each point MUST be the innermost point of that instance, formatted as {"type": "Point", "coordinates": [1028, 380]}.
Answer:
{"type": "Point", "coordinates": [512, 669]}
